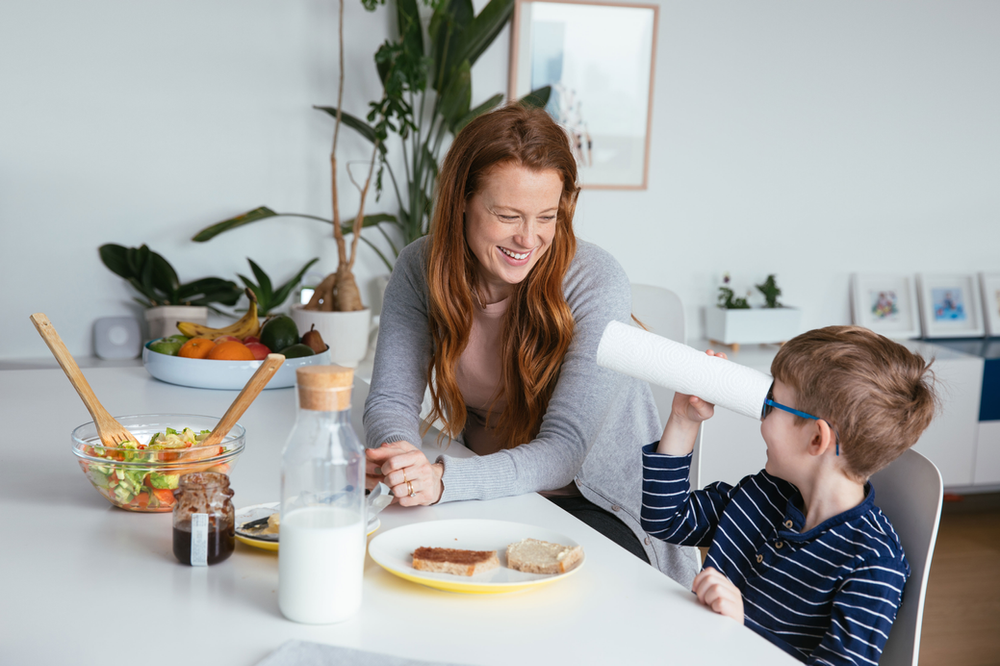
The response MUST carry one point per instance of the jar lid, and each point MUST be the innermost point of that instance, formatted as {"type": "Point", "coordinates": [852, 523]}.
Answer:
{"type": "Point", "coordinates": [324, 377]}
{"type": "Point", "coordinates": [208, 479]}
{"type": "Point", "coordinates": [324, 388]}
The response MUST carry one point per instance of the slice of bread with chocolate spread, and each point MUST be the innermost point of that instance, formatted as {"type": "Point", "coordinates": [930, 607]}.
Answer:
{"type": "Point", "coordinates": [455, 561]}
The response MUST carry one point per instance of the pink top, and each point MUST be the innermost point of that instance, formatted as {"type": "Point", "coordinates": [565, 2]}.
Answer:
{"type": "Point", "coordinates": [478, 377]}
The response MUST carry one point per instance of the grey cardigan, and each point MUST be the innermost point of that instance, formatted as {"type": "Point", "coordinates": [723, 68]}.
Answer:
{"type": "Point", "coordinates": [596, 422]}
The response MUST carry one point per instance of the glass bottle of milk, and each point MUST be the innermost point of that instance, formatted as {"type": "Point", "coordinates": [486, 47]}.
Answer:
{"type": "Point", "coordinates": [322, 534]}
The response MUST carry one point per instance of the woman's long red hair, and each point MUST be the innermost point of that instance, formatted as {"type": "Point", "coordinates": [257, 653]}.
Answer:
{"type": "Point", "coordinates": [538, 324]}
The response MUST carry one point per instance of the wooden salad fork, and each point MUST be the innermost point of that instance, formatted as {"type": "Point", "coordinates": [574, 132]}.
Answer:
{"type": "Point", "coordinates": [249, 393]}
{"type": "Point", "coordinates": [112, 433]}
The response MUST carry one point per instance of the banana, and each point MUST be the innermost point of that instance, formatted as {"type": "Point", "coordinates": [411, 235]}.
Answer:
{"type": "Point", "coordinates": [246, 326]}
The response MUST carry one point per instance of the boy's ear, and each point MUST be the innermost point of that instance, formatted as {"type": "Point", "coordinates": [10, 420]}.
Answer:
{"type": "Point", "coordinates": [824, 438]}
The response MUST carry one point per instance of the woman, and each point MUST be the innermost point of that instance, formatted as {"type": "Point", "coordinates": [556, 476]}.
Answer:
{"type": "Point", "coordinates": [504, 309]}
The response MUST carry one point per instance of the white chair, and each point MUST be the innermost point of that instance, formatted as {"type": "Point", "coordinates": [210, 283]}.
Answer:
{"type": "Point", "coordinates": [662, 312]}
{"type": "Point", "coordinates": [909, 492]}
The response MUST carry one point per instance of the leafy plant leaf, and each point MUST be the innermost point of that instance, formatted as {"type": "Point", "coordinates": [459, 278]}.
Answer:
{"type": "Point", "coordinates": [431, 162]}
{"type": "Point", "coordinates": [262, 279]}
{"type": "Point", "coordinates": [150, 274]}
{"type": "Point", "coordinates": [488, 105]}
{"type": "Point", "coordinates": [355, 123]}
{"type": "Point", "coordinates": [115, 257]}
{"type": "Point", "coordinates": [214, 230]}
{"type": "Point", "coordinates": [484, 29]}
{"type": "Point", "coordinates": [457, 97]}
{"type": "Point", "coordinates": [139, 287]}
{"type": "Point", "coordinates": [145, 268]}
{"type": "Point", "coordinates": [368, 221]}
{"type": "Point", "coordinates": [211, 290]}
{"type": "Point", "coordinates": [537, 98]}
{"type": "Point", "coordinates": [164, 276]}
{"type": "Point", "coordinates": [268, 299]}
{"type": "Point", "coordinates": [449, 21]}
{"type": "Point", "coordinates": [263, 305]}
{"type": "Point", "coordinates": [408, 22]}
{"type": "Point", "coordinates": [135, 261]}
{"type": "Point", "coordinates": [284, 290]}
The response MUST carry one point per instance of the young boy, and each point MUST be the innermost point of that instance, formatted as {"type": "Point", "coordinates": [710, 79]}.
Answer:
{"type": "Point", "coordinates": [799, 552]}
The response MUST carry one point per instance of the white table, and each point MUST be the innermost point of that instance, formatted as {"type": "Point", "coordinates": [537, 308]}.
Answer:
{"type": "Point", "coordinates": [82, 582]}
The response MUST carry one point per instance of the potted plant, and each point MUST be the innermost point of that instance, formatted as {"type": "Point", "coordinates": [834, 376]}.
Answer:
{"type": "Point", "coordinates": [733, 321]}
{"type": "Point", "coordinates": [427, 91]}
{"type": "Point", "coordinates": [270, 298]}
{"type": "Point", "coordinates": [165, 298]}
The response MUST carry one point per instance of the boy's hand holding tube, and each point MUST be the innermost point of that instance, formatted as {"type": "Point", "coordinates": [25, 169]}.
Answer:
{"type": "Point", "coordinates": [686, 416]}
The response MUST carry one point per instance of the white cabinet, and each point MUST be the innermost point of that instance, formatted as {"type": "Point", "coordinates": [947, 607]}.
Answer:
{"type": "Point", "coordinates": [951, 438]}
{"type": "Point", "coordinates": [732, 446]}
{"type": "Point", "coordinates": [988, 454]}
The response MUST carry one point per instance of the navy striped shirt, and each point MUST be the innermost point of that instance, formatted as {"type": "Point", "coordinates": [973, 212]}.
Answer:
{"type": "Point", "coordinates": [826, 596]}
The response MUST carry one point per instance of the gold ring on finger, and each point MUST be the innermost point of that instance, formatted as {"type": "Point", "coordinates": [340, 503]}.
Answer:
{"type": "Point", "coordinates": [409, 486]}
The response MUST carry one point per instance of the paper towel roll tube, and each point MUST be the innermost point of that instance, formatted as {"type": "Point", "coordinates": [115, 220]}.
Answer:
{"type": "Point", "coordinates": [643, 355]}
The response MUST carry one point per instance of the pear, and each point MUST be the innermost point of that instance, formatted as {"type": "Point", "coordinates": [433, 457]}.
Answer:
{"type": "Point", "coordinates": [314, 340]}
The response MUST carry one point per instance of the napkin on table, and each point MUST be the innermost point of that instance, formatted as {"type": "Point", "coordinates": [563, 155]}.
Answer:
{"type": "Point", "coordinates": [304, 653]}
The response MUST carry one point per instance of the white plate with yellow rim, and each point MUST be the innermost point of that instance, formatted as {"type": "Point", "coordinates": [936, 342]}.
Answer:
{"type": "Point", "coordinates": [257, 511]}
{"type": "Point", "coordinates": [393, 551]}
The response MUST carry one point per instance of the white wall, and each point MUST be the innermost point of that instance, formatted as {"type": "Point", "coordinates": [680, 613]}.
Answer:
{"type": "Point", "coordinates": [810, 140]}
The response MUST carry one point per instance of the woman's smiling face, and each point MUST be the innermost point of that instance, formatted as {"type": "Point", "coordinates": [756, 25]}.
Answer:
{"type": "Point", "coordinates": [510, 223]}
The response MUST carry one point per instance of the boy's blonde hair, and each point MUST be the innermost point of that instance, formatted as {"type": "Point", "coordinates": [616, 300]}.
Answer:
{"type": "Point", "coordinates": [874, 392]}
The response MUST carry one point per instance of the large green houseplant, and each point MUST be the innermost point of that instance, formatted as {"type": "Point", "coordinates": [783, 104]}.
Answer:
{"type": "Point", "coordinates": [427, 91]}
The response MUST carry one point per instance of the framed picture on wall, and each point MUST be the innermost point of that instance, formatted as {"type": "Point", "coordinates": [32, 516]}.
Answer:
{"type": "Point", "coordinates": [599, 60]}
{"type": "Point", "coordinates": [950, 306]}
{"type": "Point", "coordinates": [887, 304]}
{"type": "Point", "coordinates": [990, 283]}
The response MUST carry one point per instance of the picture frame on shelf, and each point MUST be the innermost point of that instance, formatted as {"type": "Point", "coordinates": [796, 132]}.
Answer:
{"type": "Point", "coordinates": [950, 305]}
{"type": "Point", "coordinates": [599, 59]}
{"type": "Point", "coordinates": [886, 304]}
{"type": "Point", "coordinates": [990, 289]}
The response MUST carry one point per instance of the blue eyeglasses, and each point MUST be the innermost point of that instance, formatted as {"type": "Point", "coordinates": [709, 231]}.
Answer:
{"type": "Point", "coordinates": [769, 404]}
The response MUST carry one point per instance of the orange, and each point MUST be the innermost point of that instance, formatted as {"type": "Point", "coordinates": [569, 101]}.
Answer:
{"type": "Point", "coordinates": [196, 348]}
{"type": "Point", "coordinates": [230, 351]}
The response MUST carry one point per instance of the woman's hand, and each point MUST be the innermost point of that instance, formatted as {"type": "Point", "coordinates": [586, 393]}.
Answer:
{"type": "Point", "coordinates": [413, 479]}
{"type": "Point", "coordinates": [718, 593]}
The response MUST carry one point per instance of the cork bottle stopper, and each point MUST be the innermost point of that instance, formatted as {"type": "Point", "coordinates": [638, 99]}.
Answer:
{"type": "Point", "coordinates": [324, 388]}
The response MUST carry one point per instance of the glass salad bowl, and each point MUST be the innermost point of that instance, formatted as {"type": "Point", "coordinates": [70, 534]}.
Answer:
{"type": "Point", "coordinates": [143, 476]}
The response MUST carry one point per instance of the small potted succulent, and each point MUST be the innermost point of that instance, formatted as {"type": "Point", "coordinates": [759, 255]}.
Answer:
{"type": "Point", "coordinates": [733, 321]}
{"type": "Point", "coordinates": [165, 298]}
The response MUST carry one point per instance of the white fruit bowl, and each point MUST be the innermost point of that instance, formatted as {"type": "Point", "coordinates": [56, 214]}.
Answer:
{"type": "Point", "coordinates": [230, 375]}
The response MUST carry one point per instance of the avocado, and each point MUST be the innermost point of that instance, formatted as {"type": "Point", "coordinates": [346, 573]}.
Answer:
{"type": "Point", "coordinates": [279, 332]}
{"type": "Point", "coordinates": [297, 350]}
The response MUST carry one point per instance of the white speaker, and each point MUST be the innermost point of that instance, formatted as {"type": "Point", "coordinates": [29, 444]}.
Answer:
{"type": "Point", "coordinates": [117, 337]}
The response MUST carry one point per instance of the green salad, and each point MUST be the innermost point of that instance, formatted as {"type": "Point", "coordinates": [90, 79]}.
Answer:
{"type": "Point", "coordinates": [128, 483]}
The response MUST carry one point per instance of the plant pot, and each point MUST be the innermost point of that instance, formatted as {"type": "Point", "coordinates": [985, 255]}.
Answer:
{"type": "Point", "coordinates": [163, 319]}
{"type": "Point", "coordinates": [345, 332]}
{"type": "Point", "coordinates": [752, 326]}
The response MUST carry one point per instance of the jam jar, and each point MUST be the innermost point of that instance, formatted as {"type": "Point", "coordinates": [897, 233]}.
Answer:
{"type": "Point", "coordinates": [204, 520]}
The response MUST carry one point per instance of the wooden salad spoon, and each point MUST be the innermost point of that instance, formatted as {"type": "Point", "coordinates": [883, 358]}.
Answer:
{"type": "Point", "coordinates": [249, 393]}
{"type": "Point", "coordinates": [112, 433]}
